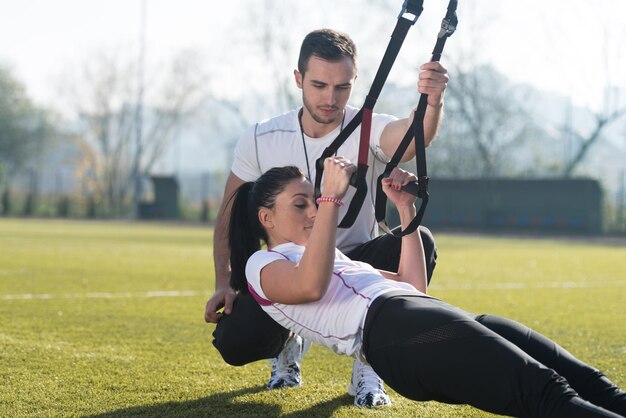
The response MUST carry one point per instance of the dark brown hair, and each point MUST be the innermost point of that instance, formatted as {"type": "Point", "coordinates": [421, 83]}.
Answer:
{"type": "Point", "coordinates": [327, 44]}
{"type": "Point", "coordinates": [245, 232]}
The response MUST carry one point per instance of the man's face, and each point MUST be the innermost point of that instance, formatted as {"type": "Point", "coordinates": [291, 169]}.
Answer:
{"type": "Point", "coordinates": [326, 88]}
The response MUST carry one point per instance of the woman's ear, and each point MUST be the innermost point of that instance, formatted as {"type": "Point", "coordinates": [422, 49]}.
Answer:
{"type": "Point", "coordinates": [266, 218]}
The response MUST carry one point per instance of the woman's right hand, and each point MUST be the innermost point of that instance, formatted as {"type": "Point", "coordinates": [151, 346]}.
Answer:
{"type": "Point", "coordinates": [392, 187]}
{"type": "Point", "coordinates": [337, 173]}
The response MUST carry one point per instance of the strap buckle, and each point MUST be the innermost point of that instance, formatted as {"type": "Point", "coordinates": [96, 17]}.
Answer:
{"type": "Point", "coordinates": [411, 11]}
{"type": "Point", "coordinates": [448, 26]}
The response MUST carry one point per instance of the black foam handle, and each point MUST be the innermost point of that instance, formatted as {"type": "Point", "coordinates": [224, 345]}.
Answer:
{"type": "Point", "coordinates": [354, 179]}
{"type": "Point", "coordinates": [412, 188]}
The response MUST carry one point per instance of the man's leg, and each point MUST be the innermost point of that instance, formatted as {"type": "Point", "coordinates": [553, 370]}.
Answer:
{"type": "Point", "coordinates": [383, 252]}
{"type": "Point", "coordinates": [248, 334]}
{"type": "Point", "coordinates": [366, 387]}
{"type": "Point", "coordinates": [287, 365]}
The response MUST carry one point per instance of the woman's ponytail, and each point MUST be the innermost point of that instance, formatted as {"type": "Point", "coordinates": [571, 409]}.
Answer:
{"type": "Point", "coordinates": [243, 237]}
{"type": "Point", "coordinates": [245, 231]}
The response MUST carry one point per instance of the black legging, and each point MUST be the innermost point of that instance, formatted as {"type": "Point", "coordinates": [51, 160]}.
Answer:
{"type": "Point", "coordinates": [426, 349]}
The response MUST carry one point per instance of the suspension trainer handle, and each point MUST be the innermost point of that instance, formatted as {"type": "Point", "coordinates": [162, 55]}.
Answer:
{"type": "Point", "coordinates": [411, 187]}
{"type": "Point", "coordinates": [358, 181]}
{"type": "Point", "coordinates": [411, 10]}
{"type": "Point", "coordinates": [416, 133]}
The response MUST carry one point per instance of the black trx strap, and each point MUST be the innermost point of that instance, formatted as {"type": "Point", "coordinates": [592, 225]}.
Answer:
{"type": "Point", "coordinates": [416, 132]}
{"type": "Point", "coordinates": [411, 10]}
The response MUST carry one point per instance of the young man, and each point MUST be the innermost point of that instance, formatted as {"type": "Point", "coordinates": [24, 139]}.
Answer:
{"type": "Point", "coordinates": [327, 70]}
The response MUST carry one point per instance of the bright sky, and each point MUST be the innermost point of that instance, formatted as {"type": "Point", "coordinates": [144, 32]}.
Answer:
{"type": "Point", "coordinates": [574, 47]}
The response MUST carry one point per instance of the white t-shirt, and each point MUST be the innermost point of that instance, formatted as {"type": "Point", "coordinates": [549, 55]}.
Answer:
{"type": "Point", "coordinates": [337, 319]}
{"type": "Point", "coordinates": [277, 142]}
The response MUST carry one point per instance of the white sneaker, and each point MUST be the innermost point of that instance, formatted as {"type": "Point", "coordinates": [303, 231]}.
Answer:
{"type": "Point", "coordinates": [366, 387]}
{"type": "Point", "coordinates": [286, 367]}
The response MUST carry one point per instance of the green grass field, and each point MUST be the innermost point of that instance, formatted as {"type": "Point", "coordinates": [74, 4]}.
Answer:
{"type": "Point", "coordinates": [105, 319]}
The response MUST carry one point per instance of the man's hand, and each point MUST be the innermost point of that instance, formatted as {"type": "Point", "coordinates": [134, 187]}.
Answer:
{"type": "Point", "coordinates": [433, 80]}
{"type": "Point", "coordinates": [222, 298]}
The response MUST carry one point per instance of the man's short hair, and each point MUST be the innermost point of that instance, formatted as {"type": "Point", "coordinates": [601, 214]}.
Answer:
{"type": "Point", "coordinates": [327, 44]}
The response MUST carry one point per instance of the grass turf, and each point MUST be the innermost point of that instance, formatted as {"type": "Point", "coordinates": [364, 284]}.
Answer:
{"type": "Point", "coordinates": [80, 334]}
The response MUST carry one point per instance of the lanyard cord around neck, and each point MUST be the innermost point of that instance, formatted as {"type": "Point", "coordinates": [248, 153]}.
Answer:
{"type": "Point", "coordinates": [306, 154]}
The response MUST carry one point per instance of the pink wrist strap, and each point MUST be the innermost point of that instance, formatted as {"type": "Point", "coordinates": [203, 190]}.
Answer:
{"type": "Point", "coordinates": [334, 200]}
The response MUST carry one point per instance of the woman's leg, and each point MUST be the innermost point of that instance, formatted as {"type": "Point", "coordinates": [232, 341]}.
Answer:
{"type": "Point", "coordinates": [428, 350]}
{"type": "Point", "coordinates": [590, 383]}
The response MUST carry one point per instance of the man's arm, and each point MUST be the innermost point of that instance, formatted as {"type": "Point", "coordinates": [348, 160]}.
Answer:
{"type": "Point", "coordinates": [433, 81]}
{"type": "Point", "coordinates": [224, 295]}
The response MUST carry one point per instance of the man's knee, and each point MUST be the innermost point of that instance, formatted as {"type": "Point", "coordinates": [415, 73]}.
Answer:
{"type": "Point", "coordinates": [248, 334]}
{"type": "Point", "coordinates": [428, 240]}
{"type": "Point", "coordinates": [430, 250]}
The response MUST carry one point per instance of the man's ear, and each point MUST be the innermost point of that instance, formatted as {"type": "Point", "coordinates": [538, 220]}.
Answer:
{"type": "Point", "coordinates": [298, 77]}
{"type": "Point", "coordinates": [266, 217]}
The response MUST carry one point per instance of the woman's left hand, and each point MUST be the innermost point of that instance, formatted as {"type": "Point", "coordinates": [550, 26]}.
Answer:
{"type": "Point", "coordinates": [392, 187]}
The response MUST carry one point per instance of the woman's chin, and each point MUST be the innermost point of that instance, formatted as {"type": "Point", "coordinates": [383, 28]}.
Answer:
{"type": "Point", "coordinates": [301, 241]}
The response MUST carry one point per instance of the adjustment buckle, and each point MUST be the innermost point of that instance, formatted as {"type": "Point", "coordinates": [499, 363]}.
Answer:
{"type": "Point", "coordinates": [448, 26]}
{"type": "Point", "coordinates": [410, 15]}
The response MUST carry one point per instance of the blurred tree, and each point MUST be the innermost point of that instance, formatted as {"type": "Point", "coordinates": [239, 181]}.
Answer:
{"type": "Point", "coordinates": [105, 99]}
{"type": "Point", "coordinates": [486, 125]}
{"type": "Point", "coordinates": [17, 124]}
{"type": "Point", "coordinates": [601, 71]}
{"type": "Point", "coordinates": [588, 138]}
{"type": "Point", "coordinates": [25, 131]}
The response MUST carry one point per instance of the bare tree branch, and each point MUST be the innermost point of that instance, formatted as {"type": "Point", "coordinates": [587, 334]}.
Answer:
{"type": "Point", "coordinates": [105, 99]}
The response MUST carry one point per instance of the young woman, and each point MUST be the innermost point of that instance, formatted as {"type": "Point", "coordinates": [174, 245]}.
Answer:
{"type": "Point", "coordinates": [423, 348]}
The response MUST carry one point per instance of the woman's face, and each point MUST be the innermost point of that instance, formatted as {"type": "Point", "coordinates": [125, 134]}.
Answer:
{"type": "Point", "coordinates": [293, 215]}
